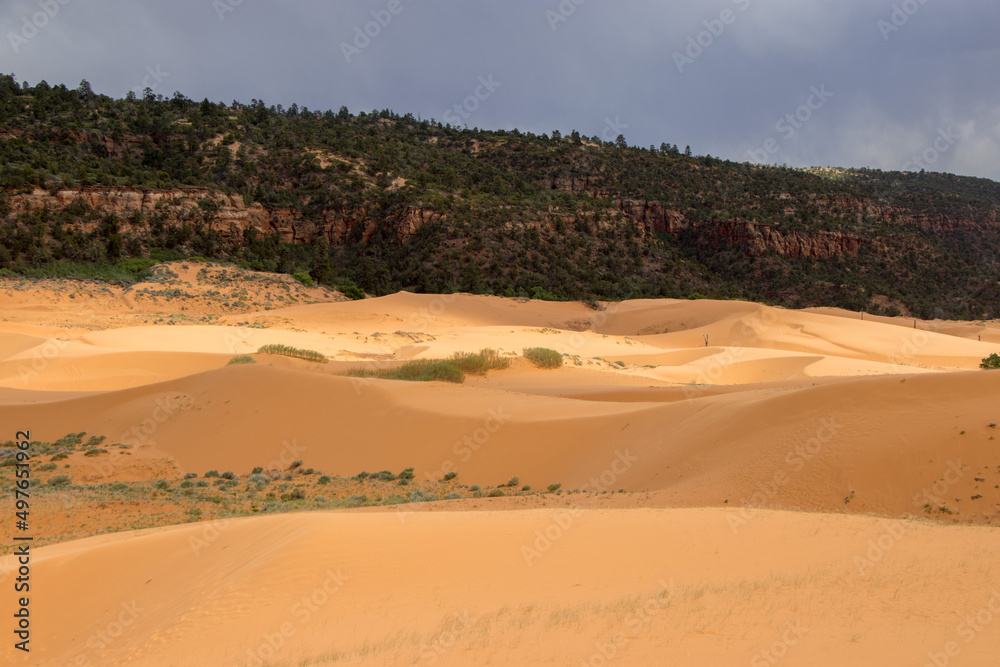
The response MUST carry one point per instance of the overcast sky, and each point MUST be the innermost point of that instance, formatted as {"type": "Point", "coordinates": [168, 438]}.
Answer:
{"type": "Point", "coordinates": [893, 84]}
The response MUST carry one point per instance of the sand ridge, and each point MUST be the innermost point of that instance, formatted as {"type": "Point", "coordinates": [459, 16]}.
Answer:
{"type": "Point", "coordinates": [737, 481]}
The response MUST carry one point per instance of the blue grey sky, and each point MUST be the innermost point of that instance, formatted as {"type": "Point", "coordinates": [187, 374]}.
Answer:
{"type": "Point", "coordinates": [891, 84]}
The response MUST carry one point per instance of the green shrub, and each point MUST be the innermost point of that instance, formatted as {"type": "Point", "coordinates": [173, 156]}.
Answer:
{"type": "Point", "coordinates": [190, 475]}
{"type": "Point", "coordinates": [552, 488]}
{"type": "Point", "coordinates": [474, 487]}
{"type": "Point", "coordinates": [420, 370]}
{"type": "Point", "coordinates": [421, 496]}
{"type": "Point", "coordinates": [241, 359]}
{"type": "Point", "coordinates": [303, 278]}
{"type": "Point", "coordinates": [991, 362]}
{"type": "Point", "coordinates": [495, 493]}
{"type": "Point", "coordinates": [46, 467]}
{"type": "Point", "coordinates": [453, 496]}
{"type": "Point", "coordinates": [229, 475]}
{"type": "Point", "coordinates": [95, 451]}
{"type": "Point", "coordinates": [350, 290]}
{"type": "Point", "coordinates": [449, 476]}
{"type": "Point", "coordinates": [297, 494]}
{"type": "Point", "coordinates": [478, 363]}
{"type": "Point", "coordinates": [543, 357]}
{"type": "Point", "coordinates": [288, 351]}
{"type": "Point", "coordinates": [59, 480]}
{"type": "Point", "coordinates": [514, 481]}
{"type": "Point", "coordinates": [325, 479]}
{"type": "Point", "coordinates": [526, 487]}
{"type": "Point", "coordinates": [258, 479]}
{"type": "Point", "coordinates": [212, 473]}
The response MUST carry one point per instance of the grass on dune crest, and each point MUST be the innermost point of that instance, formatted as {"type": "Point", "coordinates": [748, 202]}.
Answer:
{"type": "Point", "coordinates": [543, 357]}
{"type": "Point", "coordinates": [440, 370]}
{"type": "Point", "coordinates": [288, 351]}
{"type": "Point", "coordinates": [241, 359]}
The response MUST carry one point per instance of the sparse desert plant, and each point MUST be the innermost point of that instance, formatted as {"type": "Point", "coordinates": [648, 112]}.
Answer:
{"type": "Point", "coordinates": [162, 484]}
{"type": "Point", "coordinates": [288, 351]}
{"type": "Point", "coordinates": [59, 480]}
{"type": "Point", "coordinates": [190, 475]}
{"type": "Point", "coordinates": [229, 474]}
{"type": "Point", "coordinates": [514, 481]}
{"type": "Point", "coordinates": [259, 480]}
{"type": "Point", "coordinates": [46, 467]}
{"type": "Point", "coordinates": [256, 471]}
{"type": "Point", "coordinates": [297, 494]}
{"type": "Point", "coordinates": [474, 487]}
{"type": "Point", "coordinates": [449, 476]}
{"type": "Point", "coordinates": [420, 370]}
{"type": "Point", "coordinates": [543, 357]}
{"type": "Point", "coordinates": [479, 363]}
{"type": "Point", "coordinates": [295, 464]}
{"type": "Point", "coordinates": [325, 479]}
{"type": "Point", "coordinates": [526, 487]}
{"type": "Point", "coordinates": [201, 483]}
{"type": "Point", "coordinates": [406, 474]}
{"type": "Point", "coordinates": [241, 359]}
{"type": "Point", "coordinates": [552, 488]}
{"type": "Point", "coordinates": [95, 451]}
{"type": "Point", "coordinates": [421, 496]}
{"type": "Point", "coordinates": [495, 493]}
{"type": "Point", "coordinates": [453, 496]}
{"type": "Point", "coordinates": [212, 473]}
{"type": "Point", "coordinates": [186, 484]}
{"type": "Point", "coordinates": [991, 362]}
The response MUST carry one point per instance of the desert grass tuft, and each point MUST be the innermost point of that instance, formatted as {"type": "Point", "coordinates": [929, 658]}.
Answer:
{"type": "Point", "coordinates": [241, 359]}
{"type": "Point", "coordinates": [288, 351]}
{"type": "Point", "coordinates": [421, 370]}
{"type": "Point", "coordinates": [543, 357]}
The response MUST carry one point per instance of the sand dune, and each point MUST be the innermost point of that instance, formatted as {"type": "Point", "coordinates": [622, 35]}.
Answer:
{"type": "Point", "coordinates": [880, 441]}
{"type": "Point", "coordinates": [680, 587]}
{"type": "Point", "coordinates": [719, 412]}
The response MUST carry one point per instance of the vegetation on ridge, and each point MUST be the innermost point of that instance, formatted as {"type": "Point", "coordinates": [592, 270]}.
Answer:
{"type": "Point", "coordinates": [387, 202]}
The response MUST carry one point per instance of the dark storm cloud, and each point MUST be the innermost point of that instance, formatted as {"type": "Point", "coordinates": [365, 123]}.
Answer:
{"type": "Point", "coordinates": [884, 83]}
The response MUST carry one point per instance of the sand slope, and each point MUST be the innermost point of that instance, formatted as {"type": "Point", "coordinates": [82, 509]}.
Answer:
{"type": "Point", "coordinates": [678, 587]}
{"type": "Point", "coordinates": [865, 445]}
{"type": "Point", "coordinates": [723, 411]}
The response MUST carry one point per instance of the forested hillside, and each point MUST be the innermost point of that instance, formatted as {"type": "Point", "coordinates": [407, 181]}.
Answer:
{"type": "Point", "coordinates": [376, 201]}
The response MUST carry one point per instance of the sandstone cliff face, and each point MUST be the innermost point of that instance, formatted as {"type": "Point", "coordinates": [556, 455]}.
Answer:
{"type": "Point", "coordinates": [754, 238]}
{"type": "Point", "coordinates": [653, 216]}
{"type": "Point", "coordinates": [758, 239]}
{"type": "Point", "coordinates": [229, 215]}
